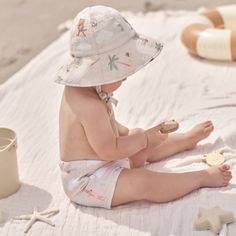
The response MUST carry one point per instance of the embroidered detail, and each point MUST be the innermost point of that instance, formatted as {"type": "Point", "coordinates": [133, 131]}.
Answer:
{"type": "Point", "coordinates": [158, 46]}
{"type": "Point", "coordinates": [136, 36]}
{"type": "Point", "coordinates": [144, 41]}
{"type": "Point", "coordinates": [121, 27]}
{"type": "Point", "coordinates": [94, 24]}
{"type": "Point", "coordinates": [80, 184]}
{"type": "Point", "coordinates": [93, 63]}
{"type": "Point", "coordinates": [81, 28]}
{"type": "Point", "coordinates": [123, 63]}
{"type": "Point", "coordinates": [93, 194]}
{"type": "Point", "coordinates": [112, 62]}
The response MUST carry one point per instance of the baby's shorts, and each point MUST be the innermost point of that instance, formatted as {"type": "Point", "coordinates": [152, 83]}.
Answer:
{"type": "Point", "coordinates": [91, 182]}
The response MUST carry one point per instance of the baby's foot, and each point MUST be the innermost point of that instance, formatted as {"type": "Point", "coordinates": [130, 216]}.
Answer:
{"type": "Point", "coordinates": [216, 176]}
{"type": "Point", "coordinates": [198, 133]}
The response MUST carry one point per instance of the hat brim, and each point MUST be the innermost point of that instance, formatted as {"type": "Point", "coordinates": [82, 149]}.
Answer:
{"type": "Point", "coordinates": [111, 66]}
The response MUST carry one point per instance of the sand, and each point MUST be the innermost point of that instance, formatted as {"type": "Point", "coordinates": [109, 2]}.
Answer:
{"type": "Point", "coordinates": [27, 26]}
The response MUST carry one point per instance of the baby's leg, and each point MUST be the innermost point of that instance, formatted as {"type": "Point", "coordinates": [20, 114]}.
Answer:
{"type": "Point", "coordinates": [176, 143]}
{"type": "Point", "coordinates": [143, 184]}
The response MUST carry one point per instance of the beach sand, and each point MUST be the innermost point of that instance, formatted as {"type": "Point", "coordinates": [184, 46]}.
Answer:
{"type": "Point", "coordinates": [27, 26]}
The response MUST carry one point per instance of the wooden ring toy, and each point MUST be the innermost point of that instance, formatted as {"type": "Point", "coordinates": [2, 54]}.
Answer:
{"type": "Point", "coordinates": [169, 126]}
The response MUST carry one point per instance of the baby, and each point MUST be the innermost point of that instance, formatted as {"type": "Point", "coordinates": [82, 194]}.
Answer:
{"type": "Point", "coordinates": [102, 161]}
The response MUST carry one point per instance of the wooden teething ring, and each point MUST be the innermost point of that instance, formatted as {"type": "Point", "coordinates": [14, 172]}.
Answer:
{"type": "Point", "coordinates": [213, 35]}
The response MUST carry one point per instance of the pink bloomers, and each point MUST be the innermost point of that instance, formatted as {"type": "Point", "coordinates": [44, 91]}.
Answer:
{"type": "Point", "coordinates": [91, 182]}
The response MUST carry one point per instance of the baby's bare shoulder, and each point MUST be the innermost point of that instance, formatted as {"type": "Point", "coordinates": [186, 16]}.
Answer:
{"type": "Point", "coordinates": [81, 103]}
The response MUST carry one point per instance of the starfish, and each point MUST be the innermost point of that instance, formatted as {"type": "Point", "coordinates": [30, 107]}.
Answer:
{"type": "Point", "coordinates": [37, 216]}
{"type": "Point", "coordinates": [213, 219]}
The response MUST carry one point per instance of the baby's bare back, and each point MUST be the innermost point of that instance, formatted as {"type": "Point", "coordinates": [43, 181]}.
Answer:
{"type": "Point", "coordinates": [74, 144]}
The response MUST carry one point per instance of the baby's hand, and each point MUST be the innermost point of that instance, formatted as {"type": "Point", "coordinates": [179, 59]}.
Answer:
{"type": "Point", "coordinates": [154, 136]}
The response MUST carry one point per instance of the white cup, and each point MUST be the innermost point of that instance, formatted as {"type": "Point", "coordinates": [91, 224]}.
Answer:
{"type": "Point", "coordinates": [9, 179]}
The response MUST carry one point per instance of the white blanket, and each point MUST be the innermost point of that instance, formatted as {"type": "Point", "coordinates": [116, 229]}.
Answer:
{"type": "Point", "coordinates": [176, 85]}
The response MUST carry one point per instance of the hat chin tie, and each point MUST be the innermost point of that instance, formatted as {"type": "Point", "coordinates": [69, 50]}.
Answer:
{"type": "Point", "coordinates": [106, 97]}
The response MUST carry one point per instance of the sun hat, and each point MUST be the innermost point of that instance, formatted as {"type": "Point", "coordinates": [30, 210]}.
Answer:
{"type": "Point", "coordinates": [104, 49]}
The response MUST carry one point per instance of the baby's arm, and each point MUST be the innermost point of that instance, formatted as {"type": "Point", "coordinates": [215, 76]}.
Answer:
{"type": "Point", "coordinates": [102, 139]}
{"type": "Point", "coordinates": [97, 126]}
{"type": "Point", "coordinates": [123, 131]}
